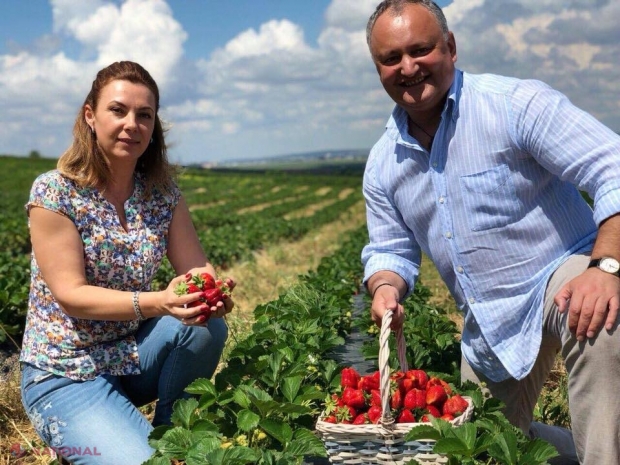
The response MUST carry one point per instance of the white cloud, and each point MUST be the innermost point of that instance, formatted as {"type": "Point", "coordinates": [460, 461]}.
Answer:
{"type": "Point", "coordinates": [269, 91]}
{"type": "Point", "coordinates": [139, 30]}
{"type": "Point", "coordinates": [350, 15]}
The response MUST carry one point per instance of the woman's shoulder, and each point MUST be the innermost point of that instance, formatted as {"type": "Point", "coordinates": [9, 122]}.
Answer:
{"type": "Point", "coordinates": [52, 178]}
{"type": "Point", "coordinates": [54, 191]}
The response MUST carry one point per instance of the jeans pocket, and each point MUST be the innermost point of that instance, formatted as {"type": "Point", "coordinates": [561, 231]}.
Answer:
{"type": "Point", "coordinates": [32, 376]}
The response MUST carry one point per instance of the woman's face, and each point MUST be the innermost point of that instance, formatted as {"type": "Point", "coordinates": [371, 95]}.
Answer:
{"type": "Point", "coordinates": [124, 119]}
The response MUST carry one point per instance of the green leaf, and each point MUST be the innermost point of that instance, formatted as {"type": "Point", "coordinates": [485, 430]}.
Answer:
{"type": "Point", "coordinates": [422, 432]}
{"type": "Point", "coordinates": [537, 451]}
{"type": "Point", "coordinates": [451, 446]}
{"type": "Point", "coordinates": [204, 425]}
{"type": "Point", "coordinates": [291, 386]}
{"type": "Point", "coordinates": [277, 429]}
{"type": "Point", "coordinates": [196, 455]}
{"type": "Point", "coordinates": [305, 442]}
{"type": "Point", "coordinates": [241, 398]}
{"type": "Point", "coordinates": [240, 455]}
{"type": "Point", "coordinates": [183, 413]}
{"type": "Point", "coordinates": [201, 386]}
{"type": "Point", "coordinates": [504, 448]}
{"type": "Point", "coordinates": [175, 443]}
{"type": "Point", "coordinates": [158, 432]}
{"type": "Point", "coordinates": [247, 420]}
{"type": "Point", "coordinates": [466, 434]}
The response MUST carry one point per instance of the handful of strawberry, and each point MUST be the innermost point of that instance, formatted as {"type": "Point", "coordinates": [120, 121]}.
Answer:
{"type": "Point", "coordinates": [414, 397]}
{"type": "Point", "coordinates": [213, 290]}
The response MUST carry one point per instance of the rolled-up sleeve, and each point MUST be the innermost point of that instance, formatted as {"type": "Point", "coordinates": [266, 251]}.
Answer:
{"type": "Point", "coordinates": [392, 246]}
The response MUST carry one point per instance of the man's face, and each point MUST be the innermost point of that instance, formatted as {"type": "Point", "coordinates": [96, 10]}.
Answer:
{"type": "Point", "coordinates": [414, 60]}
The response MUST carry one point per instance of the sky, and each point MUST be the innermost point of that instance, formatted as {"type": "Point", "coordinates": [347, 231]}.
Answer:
{"type": "Point", "coordinates": [248, 79]}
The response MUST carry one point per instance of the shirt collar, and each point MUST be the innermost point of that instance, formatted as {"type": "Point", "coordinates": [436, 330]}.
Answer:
{"type": "Point", "coordinates": [397, 126]}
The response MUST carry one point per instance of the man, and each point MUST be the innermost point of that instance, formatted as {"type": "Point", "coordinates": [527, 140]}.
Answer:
{"type": "Point", "coordinates": [483, 174]}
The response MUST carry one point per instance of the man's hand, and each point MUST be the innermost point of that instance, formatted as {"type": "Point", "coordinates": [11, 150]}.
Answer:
{"type": "Point", "coordinates": [592, 300]}
{"type": "Point", "coordinates": [386, 298]}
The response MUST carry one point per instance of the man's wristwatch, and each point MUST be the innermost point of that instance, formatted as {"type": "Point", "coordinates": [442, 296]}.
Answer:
{"type": "Point", "coordinates": [607, 264]}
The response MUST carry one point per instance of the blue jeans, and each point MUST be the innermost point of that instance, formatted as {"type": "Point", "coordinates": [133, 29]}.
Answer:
{"type": "Point", "coordinates": [97, 421]}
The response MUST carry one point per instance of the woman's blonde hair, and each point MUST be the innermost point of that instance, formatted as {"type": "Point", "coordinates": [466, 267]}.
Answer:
{"type": "Point", "coordinates": [84, 161]}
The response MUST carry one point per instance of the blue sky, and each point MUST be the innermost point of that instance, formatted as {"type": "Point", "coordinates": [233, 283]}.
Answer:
{"type": "Point", "coordinates": [257, 78]}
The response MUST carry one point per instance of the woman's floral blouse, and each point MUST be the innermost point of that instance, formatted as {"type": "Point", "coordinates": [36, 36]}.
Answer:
{"type": "Point", "coordinates": [114, 258]}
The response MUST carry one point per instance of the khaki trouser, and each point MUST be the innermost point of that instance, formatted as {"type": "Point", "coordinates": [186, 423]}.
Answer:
{"type": "Point", "coordinates": [593, 368]}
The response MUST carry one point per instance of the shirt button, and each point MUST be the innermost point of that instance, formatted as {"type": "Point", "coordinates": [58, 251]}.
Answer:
{"type": "Point", "coordinates": [472, 300]}
{"type": "Point", "coordinates": [442, 199]}
{"type": "Point", "coordinates": [459, 269]}
{"type": "Point", "coordinates": [435, 165]}
{"type": "Point", "coordinates": [448, 235]}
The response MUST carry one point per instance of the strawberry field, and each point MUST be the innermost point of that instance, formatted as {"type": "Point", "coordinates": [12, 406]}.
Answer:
{"type": "Point", "coordinates": [279, 375]}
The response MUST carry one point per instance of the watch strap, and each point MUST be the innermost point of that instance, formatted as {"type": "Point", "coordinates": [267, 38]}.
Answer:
{"type": "Point", "coordinates": [596, 262]}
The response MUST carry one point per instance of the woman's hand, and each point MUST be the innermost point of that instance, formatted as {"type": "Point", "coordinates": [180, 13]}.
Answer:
{"type": "Point", "coordinates": [201, 312]}
{"type": "Point", "coordinates": [179, 306]}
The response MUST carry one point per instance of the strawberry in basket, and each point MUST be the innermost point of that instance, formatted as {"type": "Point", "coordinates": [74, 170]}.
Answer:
{"type": "Point", "coordinates": [414, 397]}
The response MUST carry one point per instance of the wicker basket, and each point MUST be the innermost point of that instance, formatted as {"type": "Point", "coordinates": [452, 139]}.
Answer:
{"type": "Point", "coordinates": [382, 443]}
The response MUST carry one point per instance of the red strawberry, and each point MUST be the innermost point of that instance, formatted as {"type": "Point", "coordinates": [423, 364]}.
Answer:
{"type": "Point", "coordinates": [406, 416]}
{"type": "Point", "coordinates": [447, 417]}
{"type": "Point", "coordinates": [191, 288]}
{"type": "Point", "coordinates": [375, 397]}
{"type": "Point", "coordinates": [330, 419]}
{"type": "Point", "coordinates": [349, 377]}
{"type": "Point", "coordinates": [208, 281]}
{"type": "Point", "coordinates": [455, 405]}
{"type": "Point", "coordinates": [374, 414]}
{"type": "Point", "coordinates": [431, 410]}
{"type": "Point", "coordinates": [435, 381]}
{"type": "Point", "coordinates": [337, 400]}
{"type": "Point", "coordinates": [405, 385]}
{"type": "Point", "coordinates": [436, 395]}
{"type": "Point", "coordinates": [368, 383]}
{"type": "Point", "coordinates": [396, 401]}
{"type": "Point", "coordinates": [212, 296]}
{"type": "Point", "coordinates": [354, 398]}
{"type": "Point", "coordinates": [416, 398]}
{"type": "Point", "coordinates": [419, 377]}
{"type": "Point", "coordinates": [361, 419]}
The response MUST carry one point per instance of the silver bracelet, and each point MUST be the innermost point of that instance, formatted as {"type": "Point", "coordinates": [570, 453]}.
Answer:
{"type": "Point", "coordinates": [136, 305]}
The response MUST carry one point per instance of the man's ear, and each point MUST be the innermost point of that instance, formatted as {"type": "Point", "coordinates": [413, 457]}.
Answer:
{"type": "Point", "coordinates": [452, 46]}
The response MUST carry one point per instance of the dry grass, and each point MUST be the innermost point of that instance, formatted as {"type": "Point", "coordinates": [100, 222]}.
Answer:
{"type": "Point", "coordinates": [259, 281]}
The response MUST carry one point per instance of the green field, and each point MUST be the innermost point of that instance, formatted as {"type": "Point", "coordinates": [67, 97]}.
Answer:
{"type": "Point", "coordinates": [263, 404]}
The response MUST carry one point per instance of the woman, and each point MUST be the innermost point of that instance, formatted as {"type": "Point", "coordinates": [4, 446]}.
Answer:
{"type": "Point", "coordinates": [98, 342]}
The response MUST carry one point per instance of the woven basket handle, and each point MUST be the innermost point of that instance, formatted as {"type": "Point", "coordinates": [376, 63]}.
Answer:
{"type": "Point", "coordinates": [384, 368]}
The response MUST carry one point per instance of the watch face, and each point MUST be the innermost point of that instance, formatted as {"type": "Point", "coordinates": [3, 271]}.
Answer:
{"type": "Point", "coordinates": [610, 265]}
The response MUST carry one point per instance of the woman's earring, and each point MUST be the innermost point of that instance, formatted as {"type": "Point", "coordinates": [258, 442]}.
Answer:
{"type": "Point", "coordinates": [151, 141]}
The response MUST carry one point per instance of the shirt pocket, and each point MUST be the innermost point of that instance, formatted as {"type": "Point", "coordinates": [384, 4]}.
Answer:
{"type": "Point", "coordinates": [490, 198]}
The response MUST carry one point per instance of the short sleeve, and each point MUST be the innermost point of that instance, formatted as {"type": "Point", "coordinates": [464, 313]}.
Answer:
{"type": "Point", "coordinates": [53, 192]}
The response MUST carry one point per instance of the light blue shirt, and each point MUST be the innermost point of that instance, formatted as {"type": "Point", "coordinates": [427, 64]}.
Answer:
{"type": "Point", "coordinates": [494, 205]}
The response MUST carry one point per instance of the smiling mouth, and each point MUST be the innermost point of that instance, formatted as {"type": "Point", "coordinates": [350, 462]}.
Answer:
{"type": "Point", "coordinates": [129, 141]}
{"type": "Point", "coordinates": [413, 82]}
